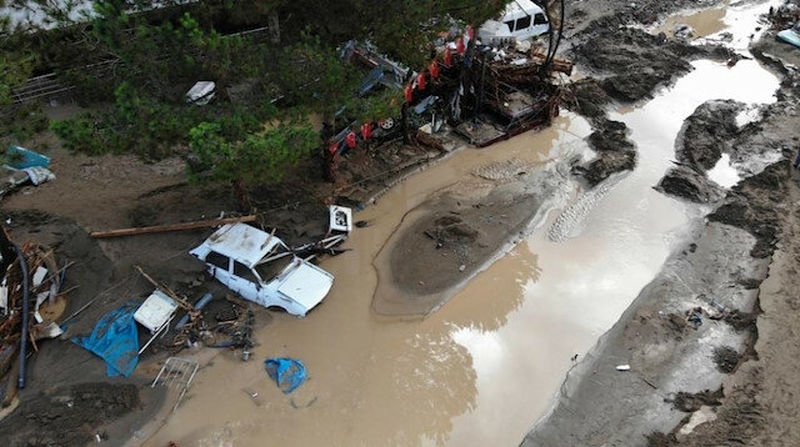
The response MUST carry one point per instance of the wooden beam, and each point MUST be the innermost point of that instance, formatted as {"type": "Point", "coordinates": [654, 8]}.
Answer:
{"type": "Point", "coordinates": [172, 227]}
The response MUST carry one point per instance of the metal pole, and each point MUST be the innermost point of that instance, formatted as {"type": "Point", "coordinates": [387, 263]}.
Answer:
{"type": "Point", "coordinates": [23, 342]}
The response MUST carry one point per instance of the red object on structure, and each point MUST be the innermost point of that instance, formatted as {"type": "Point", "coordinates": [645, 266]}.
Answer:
{"type": "Point", "coordinates": [421, 80]}
{"type": "Point", "coordinates": [333, 147]}
{"type": "Point", "coordinates": [351, 140]}
{"type": "Point", "coordinates": [448, 56]}
{"type": "Point", "coordinates": [409, 92]}
{"type": "Point", "coordinates": [470, 32]}
{"type": "Point", "coordinates": [366, 130]}
{"type": "Point", "coordinates": [434, 69]}
{"type": "Point", "coordinates": [460, 48]}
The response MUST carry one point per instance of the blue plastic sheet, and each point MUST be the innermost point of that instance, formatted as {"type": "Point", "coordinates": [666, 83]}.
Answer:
{"type": "Point", "coordinates": [287, 373]}
{"type": "Point", "coordinates": [116, 340]}
{"type": "Point", "coordinates": [21, 158]}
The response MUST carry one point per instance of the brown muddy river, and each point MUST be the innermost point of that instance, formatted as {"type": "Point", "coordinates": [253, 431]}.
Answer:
{"type": "Point", "coordinates": [486, 366]}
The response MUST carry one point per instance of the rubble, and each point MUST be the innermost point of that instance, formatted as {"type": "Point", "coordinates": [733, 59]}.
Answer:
{"type": "Point", "coordinates": [31, 283]}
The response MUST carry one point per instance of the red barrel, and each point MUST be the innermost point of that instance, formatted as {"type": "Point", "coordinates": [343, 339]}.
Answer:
{"type": "Point", "coordinates": [421, 82]}
{"type": "Point", "coordinates": [366, 130]}
{"type": "Point", "coordinates": [350, 139]}
{"type": "Point", "coordinates": [434, 69]}
{"type": "Point", "coordinates": [448, 56]}
{"type": "Point", "coordinates": [409, 92]}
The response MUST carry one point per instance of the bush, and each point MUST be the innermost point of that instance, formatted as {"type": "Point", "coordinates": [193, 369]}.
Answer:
{"type": "Point", "coordinates": [80, 135]}
{"type": "Point", "coordinates": [260, 158]}
{"type": "Point", "coordinates": [22, 123]}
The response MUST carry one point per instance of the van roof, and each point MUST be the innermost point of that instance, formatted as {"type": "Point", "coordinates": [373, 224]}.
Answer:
{"type": "Point", "coordinates": [520, 8]}
{"type": "Point", "coordinates": [243, 243]}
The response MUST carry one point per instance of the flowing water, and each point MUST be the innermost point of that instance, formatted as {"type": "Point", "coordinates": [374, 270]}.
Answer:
{"type": "Point", "coordinates": [483, 368]}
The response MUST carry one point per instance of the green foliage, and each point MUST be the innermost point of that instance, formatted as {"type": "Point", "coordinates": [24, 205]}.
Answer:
{"type": "Point", "coordinates": [16, 66]}
{"type": "Point", "coordinates": [383, 104]}
{"type": "Point", "coordinates": [137, 123]}
{"type": "Point", "coordinates": [151, 51]}
{"type": "Point", "coordinates": [81, 135]}
{"type": "Point", "coordinates": [257, 159]}
{"type": "Point", "coordinates": [21, 123]}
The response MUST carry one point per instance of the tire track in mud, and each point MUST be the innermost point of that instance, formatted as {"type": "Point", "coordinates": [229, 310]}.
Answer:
{"type": "Point", "coordinates": [575, 214]}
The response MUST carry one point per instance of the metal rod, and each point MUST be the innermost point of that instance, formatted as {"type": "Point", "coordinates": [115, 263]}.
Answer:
{"type": "Point", "coordinates": [23, 340]}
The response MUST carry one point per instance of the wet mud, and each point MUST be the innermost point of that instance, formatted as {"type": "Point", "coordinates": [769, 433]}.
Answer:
{"type": "Point", "coordinates": [69, 415]}
{"type": "Point", "coordinates": [481, 369]}
{"type": "Point", "coordinates": [448, 239]}
{"type": "Point", "coordinates": [677, 352]}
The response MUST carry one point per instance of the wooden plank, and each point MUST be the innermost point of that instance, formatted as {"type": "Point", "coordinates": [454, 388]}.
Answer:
{"type": "Point", "coordinates": [173, 227]}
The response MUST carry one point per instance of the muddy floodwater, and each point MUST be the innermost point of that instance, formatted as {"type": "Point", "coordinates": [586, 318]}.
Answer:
{"type": "Point", "coordinates": [487, 365]}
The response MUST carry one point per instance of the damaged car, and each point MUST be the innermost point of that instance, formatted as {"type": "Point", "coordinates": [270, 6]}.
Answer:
{"type": "Point", "coordinates": [263, 269]}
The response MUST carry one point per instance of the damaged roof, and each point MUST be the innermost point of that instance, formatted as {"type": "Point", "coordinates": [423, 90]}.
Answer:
{"type": "Point", "coordinates": [243, 243]}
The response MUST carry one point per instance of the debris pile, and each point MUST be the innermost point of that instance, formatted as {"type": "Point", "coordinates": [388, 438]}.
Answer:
{"type": "Point", "coordinates": [21, 166]}
{"type": "Point", "coordinates": [31, 300]}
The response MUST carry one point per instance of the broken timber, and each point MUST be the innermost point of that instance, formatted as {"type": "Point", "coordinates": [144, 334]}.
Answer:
{"type": "Point", "coordinates": [173, 227]}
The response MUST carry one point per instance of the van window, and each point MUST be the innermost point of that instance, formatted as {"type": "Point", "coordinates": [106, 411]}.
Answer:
{"type": "Point", "coordinates": [523, 23]}
{"type": "Point", "coordinates": [242, 271]}
{"type": "Point", "coordinates": [217, 260]}
{"type": "Point", "coordinates": [539, 19]}
{"type": "Point", "coordinates": [510, 25]}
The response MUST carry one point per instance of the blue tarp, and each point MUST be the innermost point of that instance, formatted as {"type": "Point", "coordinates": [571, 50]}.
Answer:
{"type": "Point", "coordinates": [287, 373]}
{"type": "Point", "coordinates": [21, 158]}
{"type": "Point", "coordinates": [116, 340]}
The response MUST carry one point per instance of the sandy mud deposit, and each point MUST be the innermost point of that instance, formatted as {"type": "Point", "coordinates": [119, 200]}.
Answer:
{"type": "Point", "coordinates": [447, 240]}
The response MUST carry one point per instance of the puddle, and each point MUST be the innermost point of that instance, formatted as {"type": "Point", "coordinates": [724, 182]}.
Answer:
{"type": "Point", "coordinates": [747, 116]}
{"type": "Point", "coordinates": [740, 19]}
{"type": "Point", "coordinates": [483, 368]}
{"type": "Point", "coordinates": [723, 174]}
{"type": "Point", "coordinates": [704, 23]}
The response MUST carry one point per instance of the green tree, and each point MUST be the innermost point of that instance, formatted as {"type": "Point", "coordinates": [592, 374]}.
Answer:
{"type": "Point", "coordinates": [258, 159]}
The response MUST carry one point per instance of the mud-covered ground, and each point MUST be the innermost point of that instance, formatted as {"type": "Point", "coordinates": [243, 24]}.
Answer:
{"type": "Point", "coordinates": [710, 342]}
{"type": "Point", "coordinates": [621, 66]}
{"type": "Point", "coordinates": [447, 240]}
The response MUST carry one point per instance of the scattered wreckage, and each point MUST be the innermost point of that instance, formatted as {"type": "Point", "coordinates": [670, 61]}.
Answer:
{"type": "Point", "coordinates": [31, 300]}
{"type": "Point", "coordinates": [484, 88]}
{"type": "Point", "coordinates": [201, 93]}
{"type": "Point", "coordinates": [256, 265]}
{"type": "Point", "coordinates": [261, 268]}
{"type": "Point", "coordinates": [22, 166]}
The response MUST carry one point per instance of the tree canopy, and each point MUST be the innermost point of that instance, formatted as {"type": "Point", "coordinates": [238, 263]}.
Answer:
{"type": "Point", "coordinates": [137, 58]}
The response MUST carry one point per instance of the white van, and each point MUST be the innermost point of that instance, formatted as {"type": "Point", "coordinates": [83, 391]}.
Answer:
{"type": "Point", "coordinates": [521, 20]}
{"type": "Point", "coordinates": [262, 269]}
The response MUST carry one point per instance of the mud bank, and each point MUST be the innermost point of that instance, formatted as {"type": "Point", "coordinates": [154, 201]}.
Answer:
{"type": "Point", "coordinates": [625, 65]}
{"type": "Point", "coordinates": [669, 337]}
{"type": "Point", "coordinates": [447, 240]}
{"type": "Point", "coordinates": [695, 324]}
